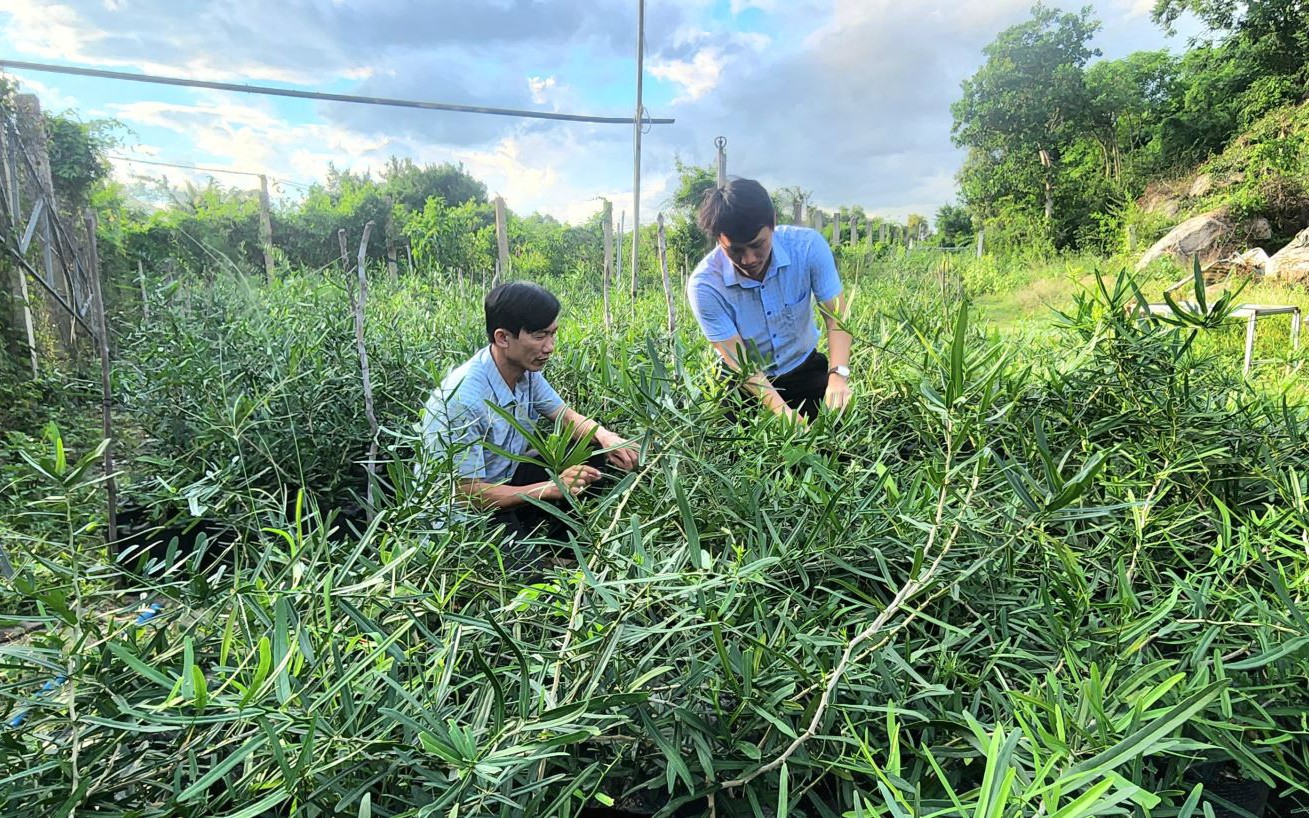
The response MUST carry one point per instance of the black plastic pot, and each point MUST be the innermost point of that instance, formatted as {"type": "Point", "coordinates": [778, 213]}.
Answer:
{"type": "Point", "coordinates": [1231, 794]}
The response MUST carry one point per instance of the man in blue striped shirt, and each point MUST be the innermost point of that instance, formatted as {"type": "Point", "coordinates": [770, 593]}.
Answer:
{"type": "Point", "coordinates": [458, 423]}
{"type": "Point", "coordinates": [753, 296]}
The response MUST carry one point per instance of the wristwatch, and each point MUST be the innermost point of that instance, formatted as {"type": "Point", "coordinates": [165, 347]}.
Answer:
{"type": "Point", "coordinates": [843, 371]}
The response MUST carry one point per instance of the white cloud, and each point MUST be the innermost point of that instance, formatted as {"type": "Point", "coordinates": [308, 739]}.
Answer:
{"type": "Point", "coordinates": [847, 98]}
{"type": "Point", "coordinates": [52, 99]}
{"type": "Point", "coordinates": [47, 30]}
{"type": "Point", "coordinates": [696, 77]}
{"type": "Point", "coordinates": [539, 85]}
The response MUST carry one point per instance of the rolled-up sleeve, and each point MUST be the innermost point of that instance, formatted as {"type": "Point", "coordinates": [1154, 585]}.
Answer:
{"type": "Point", "coordinates": [823, 277]}
{"type": "Point", "coordinates": [453, 432]}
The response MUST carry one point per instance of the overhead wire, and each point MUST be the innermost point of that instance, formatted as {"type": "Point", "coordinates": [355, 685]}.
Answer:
{"type": "Point", "coordinates": [325, 96]}
{"type": "Point", "coordinates": [201, 169]}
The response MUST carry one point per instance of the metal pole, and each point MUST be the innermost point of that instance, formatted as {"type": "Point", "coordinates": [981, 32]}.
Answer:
{"type": "Point", "coordinates": [636, 141]}
{"type": "Point", "coordinates": [721, 144]}
{"type": "Point", "coordinates": [607, 228]}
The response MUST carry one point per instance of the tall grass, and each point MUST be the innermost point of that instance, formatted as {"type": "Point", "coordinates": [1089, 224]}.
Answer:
{"type": "Point", "coordinates": [1004, 584]}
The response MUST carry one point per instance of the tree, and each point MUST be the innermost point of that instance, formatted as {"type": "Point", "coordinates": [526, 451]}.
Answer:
{"type": "Point", "coordinates": [1129, 100]}
{"type": "Point", "coordinates": [917, 227]}
{"type": "Point", "coordinates": [693, 182]}
{"type": "Point", "coordinates": [1265, 42]}
{"type": "Point", "coordinates": [954, 225]}
{"type": "Point", "coordinates": [78, 155]}
{"type": "Point", "coordinates": [1029, 99]}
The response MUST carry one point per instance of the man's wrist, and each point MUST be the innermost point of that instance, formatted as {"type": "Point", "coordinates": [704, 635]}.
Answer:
{"type": "Point", "coordinates": [839, 370]}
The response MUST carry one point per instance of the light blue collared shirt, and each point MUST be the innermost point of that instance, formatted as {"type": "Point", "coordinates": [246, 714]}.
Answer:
{"type": "Point", "coordinates": [458, 423]}
{"type": "Point", "coordinates": [774, 316]}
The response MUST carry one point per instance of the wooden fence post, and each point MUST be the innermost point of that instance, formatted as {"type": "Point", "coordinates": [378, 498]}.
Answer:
{"type": "Point", "coordinates": [359, 306]}
{"type": "Point", "coordinates": [392, 265]}
{"type": "Point", "coordinates": [618, 271]}
{"type": "Point", "coordinates": [266, 227]}
{"type": "Point", "coordinates": [668, 284]}
{"type": "Point", "coordinates": [145, 301]}
{"type": "Point", "coordinates": [22, 308]}
{"type": "Point", "coordinates": [607, 226]}
{"type": "Point", "coordinates": [981, 238]}
{"type": "Point", "coordinates": [502, 243]}
{"type": "Point", "coordinates": [31, 131]}
{"type": "Point", "coordinates": [106, 395]}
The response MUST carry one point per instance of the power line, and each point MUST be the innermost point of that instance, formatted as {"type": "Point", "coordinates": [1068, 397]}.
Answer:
{"type": "Point", "coordinates": [319, 95]}
{"type": "Point", "coordinates": [206, 170]}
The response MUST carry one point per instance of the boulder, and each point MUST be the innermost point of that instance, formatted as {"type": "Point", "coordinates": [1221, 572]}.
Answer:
{"type": "Point", "coordinates": [1201, 186]}
{"type": "Point", "coordinates": [1258, 229]}
{"type": "Point", "coordinates": [1162, 204]}
{"type": "Point", "coordinates": [1203, 236]}
{"type": "Point", "coordinates": [1291, 263]}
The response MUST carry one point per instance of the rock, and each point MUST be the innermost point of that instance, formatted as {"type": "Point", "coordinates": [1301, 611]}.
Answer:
{"type": "Point", "coordinates": [1201, 236]}
{"type": "Point", "coordinates": [1258, 229]}
{"type": "Point", "coordinates": [1256, 260]}
{"type": "Point", "coordinates": [1202, 185]}
{"type": "Point", "coordinates": [1160, 198]}
{"type": "Point", "coordinates": [1291, 263]}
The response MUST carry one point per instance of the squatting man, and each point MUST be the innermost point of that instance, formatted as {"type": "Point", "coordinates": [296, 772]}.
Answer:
{"type": "Point", "coordinates": [458, 423]}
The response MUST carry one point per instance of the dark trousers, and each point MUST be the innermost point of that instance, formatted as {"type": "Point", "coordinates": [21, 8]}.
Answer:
{"type": "Point", "coordinates": [803, 388]}
{"type": "Point", "coordinates": [528, 520]}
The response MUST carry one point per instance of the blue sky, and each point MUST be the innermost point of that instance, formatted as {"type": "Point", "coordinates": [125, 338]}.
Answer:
{"type": "Point", "coordinates": [848, 99]}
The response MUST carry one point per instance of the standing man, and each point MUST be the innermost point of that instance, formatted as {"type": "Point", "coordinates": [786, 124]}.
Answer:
{"type": "Point", "coordinates": [458, 423]}
{"type": "Point", "coordinates": [753, 297]}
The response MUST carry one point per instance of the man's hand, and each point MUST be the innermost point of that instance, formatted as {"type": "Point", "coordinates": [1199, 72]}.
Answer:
{"type": "Point", "coordinates": [575, 480]}
{"type": "Point", "coordinates": [838, 395]}
{"type": "Point", "coordinates": [624, 453]}
{"type": "Point", "coordinates": [792, 417]}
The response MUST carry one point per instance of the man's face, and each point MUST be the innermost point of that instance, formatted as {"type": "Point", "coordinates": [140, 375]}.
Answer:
{"type": "Point", "coordinates": [530, 350]}
{"type": "Point", "coordinates": [750, 258]}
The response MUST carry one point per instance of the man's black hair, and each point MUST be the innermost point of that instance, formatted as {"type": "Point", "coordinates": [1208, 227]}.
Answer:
{"type": "Point", "coordinates": [738, 210]}
{"type": "Point", "coordinates": [518, 306]}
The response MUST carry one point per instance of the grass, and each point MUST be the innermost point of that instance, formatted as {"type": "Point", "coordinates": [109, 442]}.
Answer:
{"type": "Point", "coordinates": [1018, 579]}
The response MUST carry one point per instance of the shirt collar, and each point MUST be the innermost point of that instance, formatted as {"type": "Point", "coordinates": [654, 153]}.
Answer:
{"type": "Point", "coordinates": [780, 259]}
{"type": "Point", "coordinates": [503, 394]}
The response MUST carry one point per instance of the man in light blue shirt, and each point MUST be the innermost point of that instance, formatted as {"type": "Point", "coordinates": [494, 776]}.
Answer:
{"type": "Point", "coordinates": [753, 297]}
{"type": "Point", "coordinates": [459, 424]}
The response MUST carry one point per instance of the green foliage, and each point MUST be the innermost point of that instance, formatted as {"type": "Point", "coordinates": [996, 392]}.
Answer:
{"type": "Point", "coordinates": [1028, 99]}
{"type": "Point", "coordinates": [1076, 565]}
{"type": "Point", "coordinates": [77, 156]}
{"type": "Point", "coordinates": [954, 225]}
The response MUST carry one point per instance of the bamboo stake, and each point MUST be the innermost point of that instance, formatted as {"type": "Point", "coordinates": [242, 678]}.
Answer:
{"type": "Point", "coordinates": [106, 395]}
{"type": "Point", "coordinates": [360, 304]}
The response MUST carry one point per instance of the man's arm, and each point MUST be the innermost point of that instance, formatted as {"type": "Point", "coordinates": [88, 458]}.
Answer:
{"type": "Point", "coordinates": [839, 340]}
{"type": "Point", "coordinates": [623, 455]}
{"type": "Point", "coordinates": [501, 496]}
{"type": "Point", "coordinates": [758, 383]}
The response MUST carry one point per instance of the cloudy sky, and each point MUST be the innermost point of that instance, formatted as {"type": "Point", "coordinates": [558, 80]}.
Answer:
{"type": "Point", "coordinates": [847, 98]}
